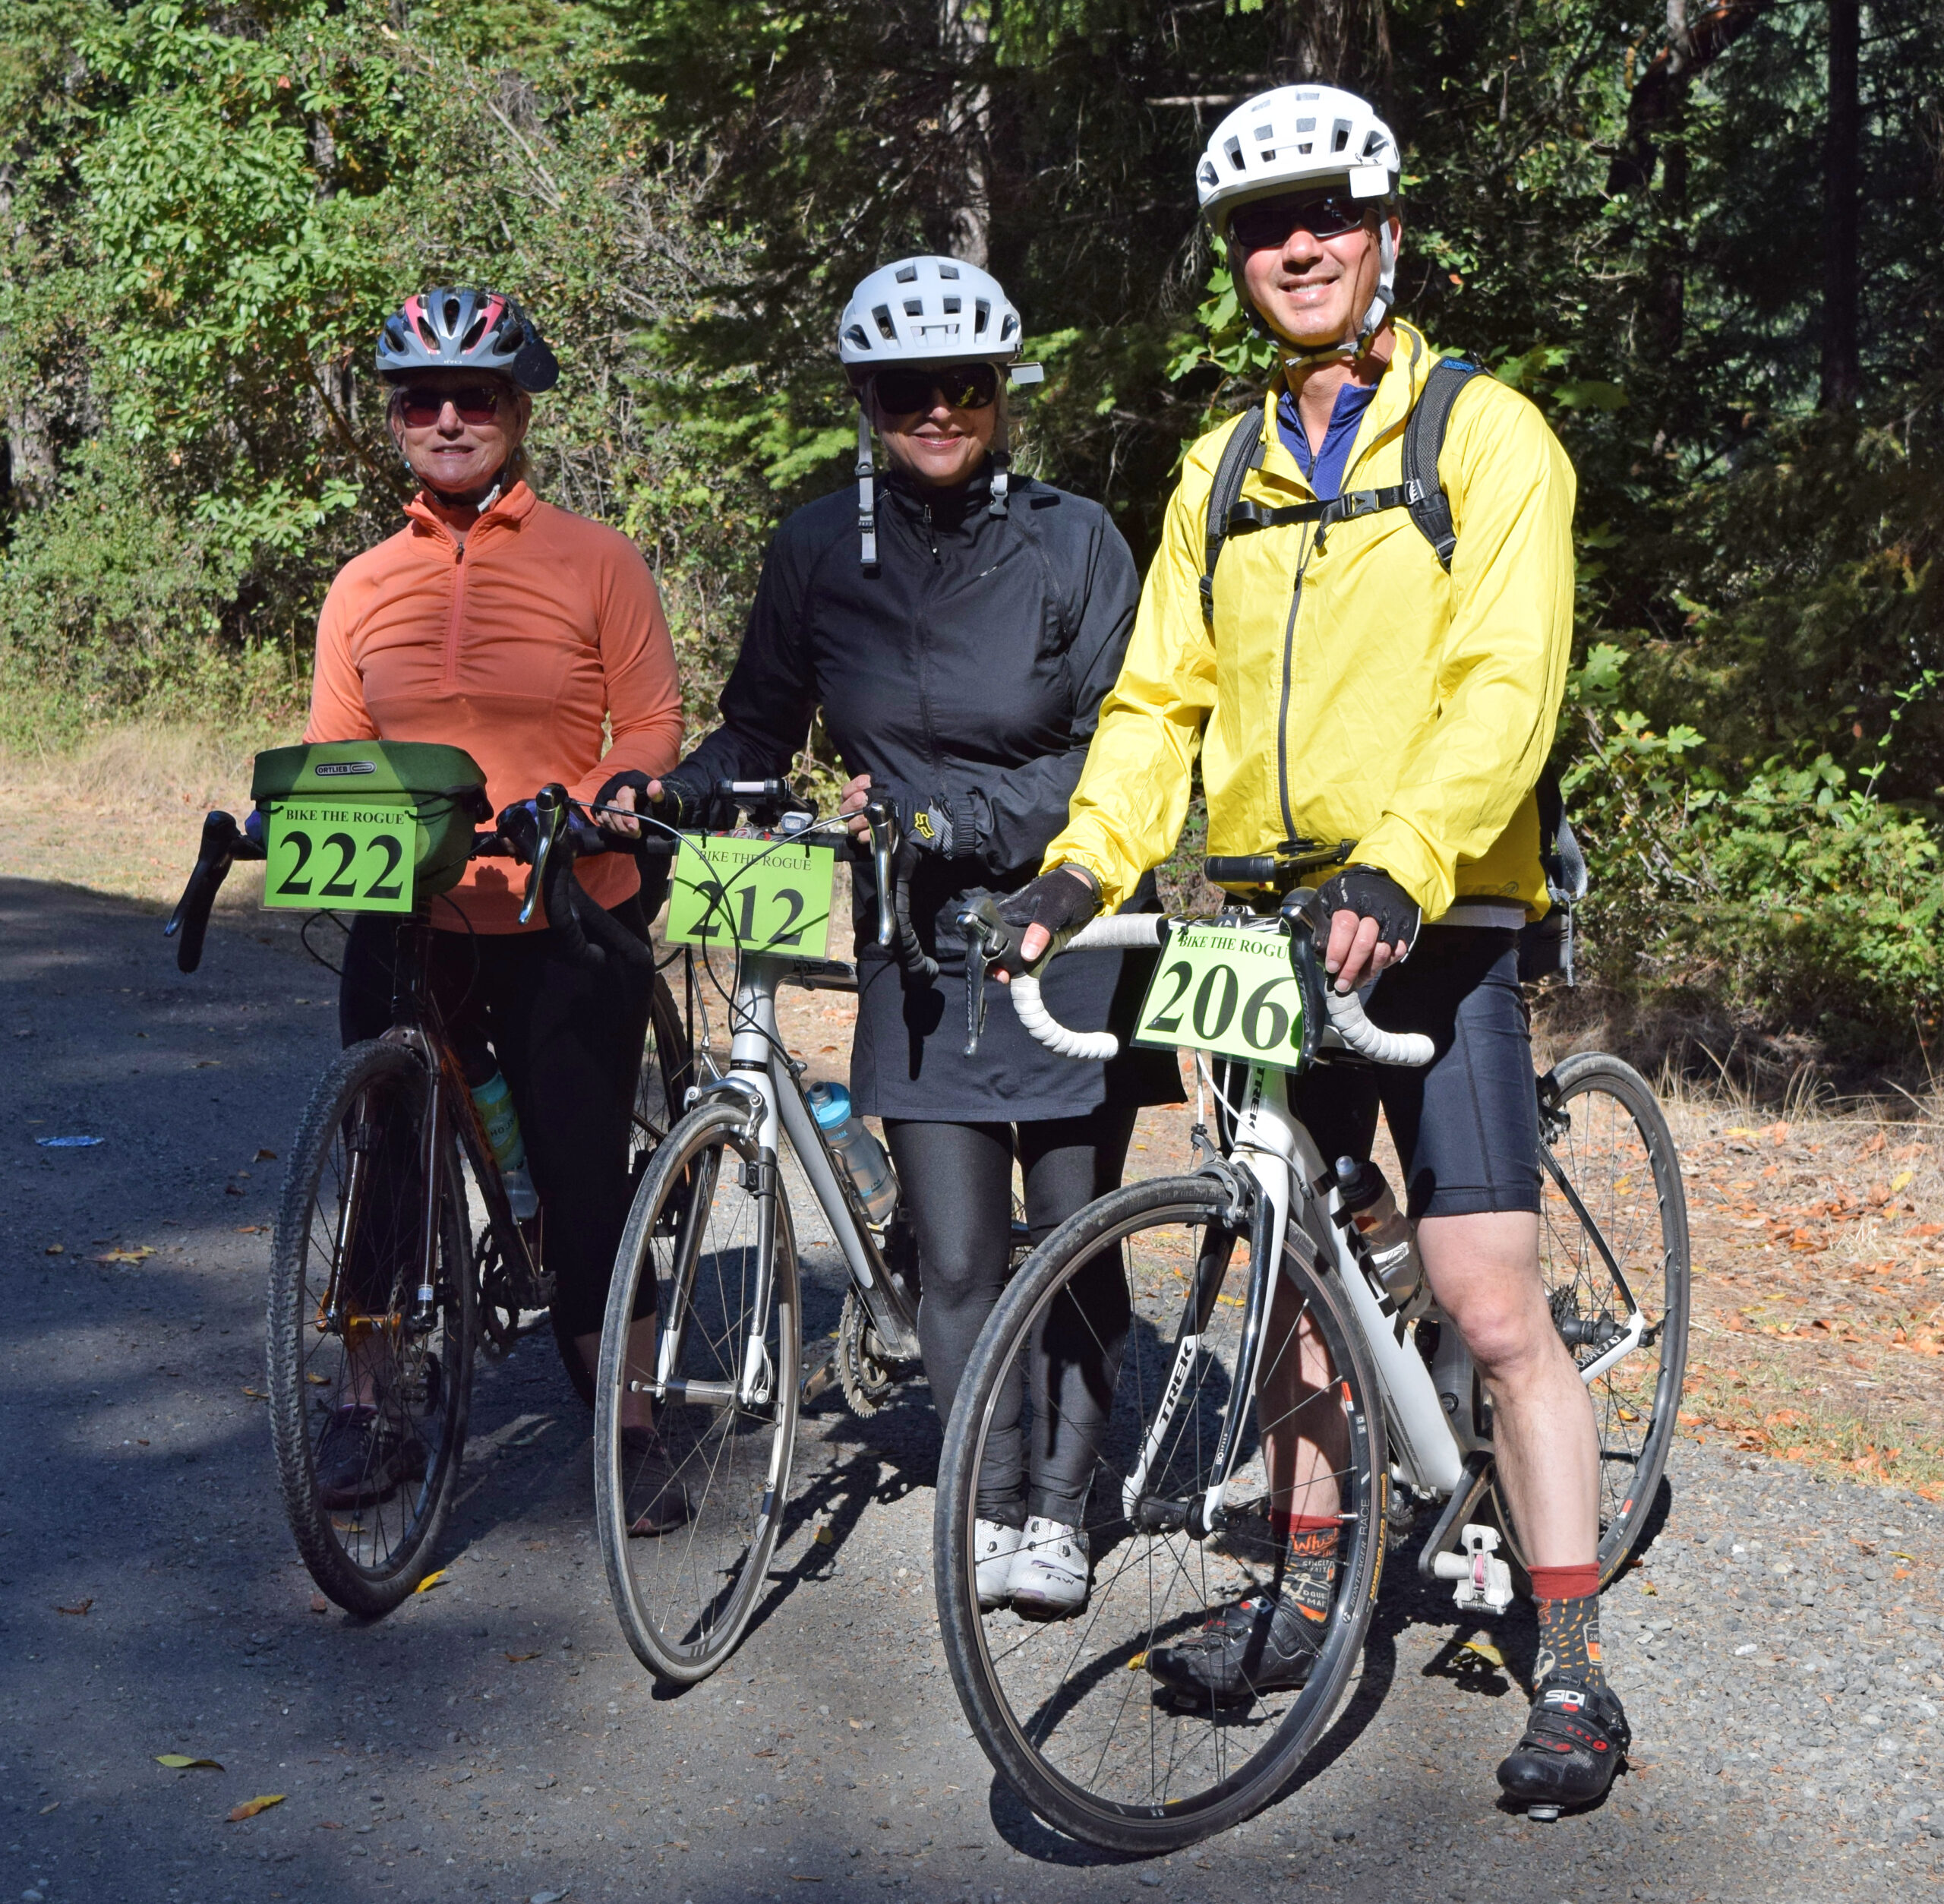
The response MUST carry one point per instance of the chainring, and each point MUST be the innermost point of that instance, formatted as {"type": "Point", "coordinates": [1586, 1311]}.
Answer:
{"type": "Point", "coordinates": [863, 1373]}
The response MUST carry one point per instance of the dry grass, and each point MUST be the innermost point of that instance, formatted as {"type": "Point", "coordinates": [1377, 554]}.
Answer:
{"type": "Point", "coordinates": [122, 812]}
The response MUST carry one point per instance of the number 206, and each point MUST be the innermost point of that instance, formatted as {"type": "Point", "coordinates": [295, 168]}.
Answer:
{"type": "Point", "coordinates": [1265, 1024]}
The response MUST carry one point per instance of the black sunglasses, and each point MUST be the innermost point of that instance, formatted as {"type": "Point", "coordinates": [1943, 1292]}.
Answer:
{"type": "Point", "coordinates": [421, 405]}
{"type": "Point", "coordinates": [1269, 222]}
{"type": "Point", "coordinates": [963, 387]}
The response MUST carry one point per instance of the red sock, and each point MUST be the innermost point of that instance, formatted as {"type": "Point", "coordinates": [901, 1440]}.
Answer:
{"type": "Point", "coordinates": [1566, 1582]}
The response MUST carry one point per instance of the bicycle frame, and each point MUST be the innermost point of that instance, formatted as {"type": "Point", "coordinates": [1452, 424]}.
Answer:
{"type": "Point", "coordinates": [1432, 1427]}
{"type": "Point", "coordinates": [775, 1110]}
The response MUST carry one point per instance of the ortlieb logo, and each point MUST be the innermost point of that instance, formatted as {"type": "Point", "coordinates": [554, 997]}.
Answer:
{"type": "Point", "coordinates": [337, 769]}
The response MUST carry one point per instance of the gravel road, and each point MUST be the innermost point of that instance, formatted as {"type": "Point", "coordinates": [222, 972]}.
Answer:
{"type": "Point", "coordinates": [1778, 1651]}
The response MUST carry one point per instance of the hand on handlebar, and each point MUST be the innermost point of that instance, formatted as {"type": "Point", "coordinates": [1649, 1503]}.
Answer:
{"type": "Point", "coordinates": [856, 792]}
{"type": "Point", "coordinates": [1374, 922]}
{"type": "Point", "coordinates": [1053, 907]}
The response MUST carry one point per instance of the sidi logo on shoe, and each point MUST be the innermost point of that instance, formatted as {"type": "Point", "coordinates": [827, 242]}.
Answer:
{"type": "Point", "coordinates": [1568, 1698]}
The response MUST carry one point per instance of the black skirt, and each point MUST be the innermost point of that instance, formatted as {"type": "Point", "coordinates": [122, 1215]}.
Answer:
{"type": "Point", "coordinates": [908, 1059]}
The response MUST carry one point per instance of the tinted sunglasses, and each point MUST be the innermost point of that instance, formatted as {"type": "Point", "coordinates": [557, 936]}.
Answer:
{"type": "Point", "coordinates": [963, 387]}
{"type": "Point", "coordinates": [421, 405]}
{"type": "Point", "coordinates": [1269, 222]}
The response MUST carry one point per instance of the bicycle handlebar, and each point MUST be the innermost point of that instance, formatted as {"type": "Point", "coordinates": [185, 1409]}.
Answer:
{"type": "Point", "coordinates": [1348, 1028]}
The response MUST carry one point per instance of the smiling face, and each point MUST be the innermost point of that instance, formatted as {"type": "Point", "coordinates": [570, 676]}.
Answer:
{"type": "Point", "coordinates": [1313, 291]}
{"type": "Point", "coordinates": [940, 445]}
{"type": "Point", "coordinates": [459, 449]}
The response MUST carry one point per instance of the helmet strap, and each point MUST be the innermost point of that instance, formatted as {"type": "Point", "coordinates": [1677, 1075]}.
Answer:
{"type": "Point", "coordinates": [867, 507]}
{"type": "Point", "coordinates": [1002, 456]}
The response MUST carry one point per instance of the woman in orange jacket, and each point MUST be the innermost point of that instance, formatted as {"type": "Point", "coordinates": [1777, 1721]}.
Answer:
{"type": "Point", "coordinates": [525, 634]}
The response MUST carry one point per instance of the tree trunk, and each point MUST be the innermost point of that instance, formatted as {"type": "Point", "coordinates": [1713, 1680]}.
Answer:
{"type": "Point", "coordinates": [965, 27]}
{"type": "Point", "coordinates": [1342, 43]}
{"type": "Point", "coordinates": [1842, 374]}
{"type": "Point", "coordinates": [1659, 95]}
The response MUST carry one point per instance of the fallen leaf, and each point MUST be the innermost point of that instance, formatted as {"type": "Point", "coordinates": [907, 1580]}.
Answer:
{"type": "Point", "coordinates": [47, 1808]}
{"type": "Point", "coordinates": [55, 1249]}
{"type": "Point", "coordinates": [251, 1229]}
{"type": "Point", "coordinates": [520, 1659]}
{"type": "Point", "coordinates": [176, 1762]}
{"type": "Point", "coordinates": [1900, 1180]}
{"type": "Point", "coordinates": [1139, 1660]}
{"type": "Point", "coordinates": [78, 1608]}
{"type": "Point", "coordinates": [1486, 1650]}
{"type": "Point", "coordinates": [768, 1751]}
{"type": "Point", "coordinates": [319, 1604]}
{"type": "Point", "coordinates": [251, 1807]}
{"type": "Point", "coordinates": [264, 1157]}
{"type": "Point", "coordinates": [431, 1580]}
{"type": "Point", "coordinates": [318, 1381]}
{"type": "Point", "coordinates": [329, 1824]}
{"type": "Point", "coordinates": [256, 1394]}
{"type": "Point", "coordinates": [823, 1537]}
{"type": "Point", "coordinates": [139, 1254]}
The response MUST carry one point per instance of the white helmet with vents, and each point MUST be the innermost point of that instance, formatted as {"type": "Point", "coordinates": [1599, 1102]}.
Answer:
{"type": "Point", "coordinates": [1296, 137]}
{"type": "Point", "coordinates": [927, 311]}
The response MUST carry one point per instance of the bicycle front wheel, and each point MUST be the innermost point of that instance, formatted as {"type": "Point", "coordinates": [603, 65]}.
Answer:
{"type": "Point", "coordinates": [369, 1392]}
{"type": "Point", "coordinates": [688, 1509]}
{"type": "Point", "coordinates": [1067, 1709]}
{"type": "Point", "coordinates": [1613, 1222]}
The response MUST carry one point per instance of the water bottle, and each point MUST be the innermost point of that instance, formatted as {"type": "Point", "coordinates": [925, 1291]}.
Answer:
{"type": "Point", "coordinates": [864, 1156]}
{"type": "Point", "coordinates": [1390, 1247]}
{"type": "Point", "coordinates": [494, 1103]}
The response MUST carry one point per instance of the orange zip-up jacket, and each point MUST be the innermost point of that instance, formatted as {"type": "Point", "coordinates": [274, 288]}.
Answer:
{"type": "Point", "coordinates": [519, 644]}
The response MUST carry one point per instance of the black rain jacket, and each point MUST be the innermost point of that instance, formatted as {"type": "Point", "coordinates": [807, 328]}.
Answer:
{"type": "Point", "coordinates": [967, 669]}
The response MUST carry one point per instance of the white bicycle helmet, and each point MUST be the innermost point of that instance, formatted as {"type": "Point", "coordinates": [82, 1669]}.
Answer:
{"type": "Point", "coordinates": [927, 311]}
{"type": "Point", "coordinates": [1295, 137]}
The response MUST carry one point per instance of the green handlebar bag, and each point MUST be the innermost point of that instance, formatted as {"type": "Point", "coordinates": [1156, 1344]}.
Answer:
{"type": "Point", "coordinates": [442, 787]}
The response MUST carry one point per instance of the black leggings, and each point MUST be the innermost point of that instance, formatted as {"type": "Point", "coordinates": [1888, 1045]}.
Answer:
{"type": "Point", "coordinates": [568, 1039]}
{"type": "Point", "coordinates": [957, 1180]}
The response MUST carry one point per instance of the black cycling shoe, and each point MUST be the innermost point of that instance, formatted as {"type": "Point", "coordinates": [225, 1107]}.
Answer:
{"type": "Point", "coordinates": [657, 1500]}
{"type": "Point", "coordinates": [1576, 1738]}
{"type": "Point", "coordinates": [1261, 1644]}
{"type": "Point", "coordinates": [362, 1457]}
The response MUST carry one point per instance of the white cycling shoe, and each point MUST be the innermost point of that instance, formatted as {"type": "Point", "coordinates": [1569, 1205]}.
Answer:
{"type": "Point", "coordinates": [1051, 1573]}
{"type": "Point", "coordinates": [994, 1545]}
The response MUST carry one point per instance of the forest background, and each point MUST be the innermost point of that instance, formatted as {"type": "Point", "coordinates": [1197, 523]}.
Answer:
{"type": "Point", "coordinates": [1705, 238]}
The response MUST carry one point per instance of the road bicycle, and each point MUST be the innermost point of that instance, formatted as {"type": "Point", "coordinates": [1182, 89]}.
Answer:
{"type": "Point", "coordinates": [1178, 1516]}
{"type": "Point", "coordinates": [710, 1249]}
{"type": "Point", "coordinates": [379, 1289]}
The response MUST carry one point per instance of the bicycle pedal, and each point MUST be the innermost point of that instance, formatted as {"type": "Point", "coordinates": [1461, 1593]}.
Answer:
{"type": "Point", "coordinates": [1484, 1580]}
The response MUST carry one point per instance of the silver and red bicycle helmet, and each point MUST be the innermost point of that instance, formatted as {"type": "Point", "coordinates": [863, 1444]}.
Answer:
{"type": "Point", "coordinates": [465, 329]}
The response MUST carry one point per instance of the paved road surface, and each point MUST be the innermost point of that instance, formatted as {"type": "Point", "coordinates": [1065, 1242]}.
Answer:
{"type": "Point", "coordinates": [1779, 1652]}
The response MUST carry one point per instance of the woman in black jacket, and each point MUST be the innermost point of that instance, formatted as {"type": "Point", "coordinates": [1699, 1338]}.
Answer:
{"type": "Point", "coordinates": [959, 627]}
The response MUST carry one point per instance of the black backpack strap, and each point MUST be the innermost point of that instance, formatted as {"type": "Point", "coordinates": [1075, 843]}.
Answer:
{"type": "Point", "coordinates": [1423, 437]}
{"type": "Point", "coordinates": [1240, 454]}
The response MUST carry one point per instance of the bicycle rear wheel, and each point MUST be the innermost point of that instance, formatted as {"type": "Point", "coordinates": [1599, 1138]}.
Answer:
{"type": "Point", "coordinates": [709, 1234]}
{"type": "Point", "coordinates": [362, 1386]}
{"type": "Point", "coordinates": [1613, 1220]}
{"type": "Point", "coordinates": [1065, 1710]}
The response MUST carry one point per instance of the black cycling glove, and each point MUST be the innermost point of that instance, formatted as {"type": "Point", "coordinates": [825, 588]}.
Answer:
{"type": "Point", "coordinates": [1062, 901]}
{"type": "Point", "coordinates": [939, 826]}
{"type": "Point", "coordinates": [680, 803]}
{"type": "Point", "coordinates": [628, 777]}
{"type": "Point", "coordinates": [1371, 894]}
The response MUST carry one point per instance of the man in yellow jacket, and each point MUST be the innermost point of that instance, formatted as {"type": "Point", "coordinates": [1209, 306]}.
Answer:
{"type": "Point", "coordinates": [1344, 684]}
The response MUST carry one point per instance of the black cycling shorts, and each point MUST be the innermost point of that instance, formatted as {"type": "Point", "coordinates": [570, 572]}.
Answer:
{"type": "Point", "coordinates": [1466, 1126]}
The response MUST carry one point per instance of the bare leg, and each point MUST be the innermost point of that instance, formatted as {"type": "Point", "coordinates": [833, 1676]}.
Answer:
{"type": "Point", "coordinates": [637, 1410]}
{"type": "Point", "coordinates": [1485, 1272]}
{"type": "Point", "coordinates": [1305, 1442]}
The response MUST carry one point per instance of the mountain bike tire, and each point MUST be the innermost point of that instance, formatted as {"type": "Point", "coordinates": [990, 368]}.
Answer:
{"type": "Point", "coordinates": [343, 1282]}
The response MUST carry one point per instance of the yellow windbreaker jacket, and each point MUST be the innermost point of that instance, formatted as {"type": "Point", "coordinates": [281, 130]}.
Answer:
{"type": "Point", "coordinates": [1355, 691]}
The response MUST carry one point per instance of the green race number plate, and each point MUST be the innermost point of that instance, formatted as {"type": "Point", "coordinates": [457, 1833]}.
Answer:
{"type": "Point", "coordinates": [763, 895]}
{"type": "Point", "coordinates": [340, 855]}
{"type": "Point", "coordinates": [1226, 988]}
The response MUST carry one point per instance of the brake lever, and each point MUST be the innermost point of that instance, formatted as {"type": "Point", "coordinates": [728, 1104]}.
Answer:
{"type": "Point", "coordinates": [988, 939]}
{"type": "Point", "coordinates": [1303, 911]}
{"type": "Point", "coordinates": [551, 809]}
{"type": "Point", "coordinates": [881, 817]}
